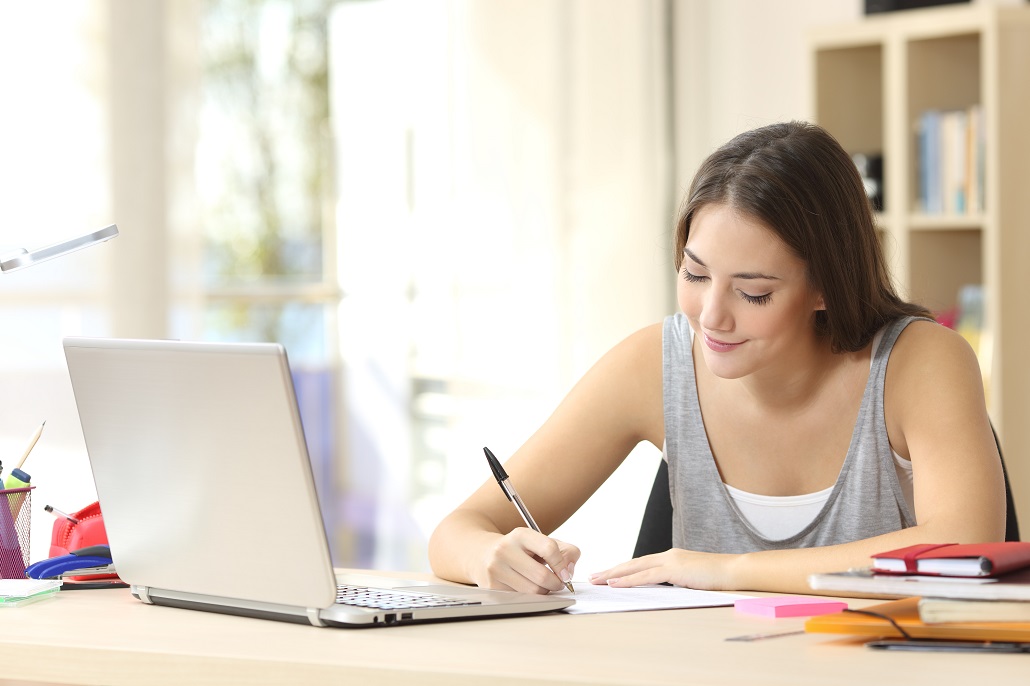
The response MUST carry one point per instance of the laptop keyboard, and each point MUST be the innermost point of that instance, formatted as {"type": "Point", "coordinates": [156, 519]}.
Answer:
{"type": "Point", "coordinates": [383, 599]}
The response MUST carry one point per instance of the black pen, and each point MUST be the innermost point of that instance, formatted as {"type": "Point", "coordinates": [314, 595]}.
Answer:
{"type": "Point", "coordinates": [513, 496]}
{"type": "Point", "coordinates": [952, 646]}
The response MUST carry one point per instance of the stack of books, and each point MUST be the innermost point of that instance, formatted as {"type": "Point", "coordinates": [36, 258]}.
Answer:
{"type": "Point", "coordinates": [969, 592]}
{"type": "Point", "coordinates": [951, 159]}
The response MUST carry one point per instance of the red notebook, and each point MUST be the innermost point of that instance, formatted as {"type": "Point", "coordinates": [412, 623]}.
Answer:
{"type": "Point", "coordinates": [954, 559]}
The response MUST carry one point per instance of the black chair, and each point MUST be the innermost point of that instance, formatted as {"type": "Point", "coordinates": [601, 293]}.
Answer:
{"type": "Point", "coordinates": [655, 534]}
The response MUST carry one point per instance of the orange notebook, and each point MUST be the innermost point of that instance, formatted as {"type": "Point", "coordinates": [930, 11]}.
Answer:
{"type": "Point", "coordinates": [906, 614]}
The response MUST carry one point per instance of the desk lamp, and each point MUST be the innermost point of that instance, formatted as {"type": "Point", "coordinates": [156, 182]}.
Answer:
{"type": "Point", "coordinates": [20, 258]}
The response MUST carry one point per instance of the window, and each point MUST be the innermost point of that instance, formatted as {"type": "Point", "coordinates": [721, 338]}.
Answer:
{"type": "Point", "coordinates": [54, 138]}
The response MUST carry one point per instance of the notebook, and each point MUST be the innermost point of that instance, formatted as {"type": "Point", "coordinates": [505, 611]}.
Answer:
{"type": "Point", "coordinates": [209, 502]}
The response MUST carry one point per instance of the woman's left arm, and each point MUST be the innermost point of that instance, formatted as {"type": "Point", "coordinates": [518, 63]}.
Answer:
{"type": "Point", "coordinates": [936, 416]}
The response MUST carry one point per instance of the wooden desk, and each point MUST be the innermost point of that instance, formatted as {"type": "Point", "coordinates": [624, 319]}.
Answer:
{"type": "Point", "coordinates": [108, 637]}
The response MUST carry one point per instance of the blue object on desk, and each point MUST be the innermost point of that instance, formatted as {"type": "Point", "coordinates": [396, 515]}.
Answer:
{"type": "Point", "coordinates": [96, 559]}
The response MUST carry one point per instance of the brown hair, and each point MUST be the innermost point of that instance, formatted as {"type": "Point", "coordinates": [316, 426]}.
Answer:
{"type": "Point", "coordinates": [797, 180]}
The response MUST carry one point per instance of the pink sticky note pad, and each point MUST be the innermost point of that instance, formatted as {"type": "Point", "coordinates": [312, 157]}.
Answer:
{"type": "Point", "coordinates": [789, 606]}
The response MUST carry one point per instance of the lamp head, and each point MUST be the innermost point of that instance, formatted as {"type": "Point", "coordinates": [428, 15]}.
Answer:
{"type": "Point", "coordinates": [23, 258]}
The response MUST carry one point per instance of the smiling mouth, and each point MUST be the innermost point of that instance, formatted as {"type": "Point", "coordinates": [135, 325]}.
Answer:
{"type": "Point", "coordinates": [720, 346]}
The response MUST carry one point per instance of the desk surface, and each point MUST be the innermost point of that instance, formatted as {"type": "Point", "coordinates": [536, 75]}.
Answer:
{"type": "Point", "coordinates": [108, 637]}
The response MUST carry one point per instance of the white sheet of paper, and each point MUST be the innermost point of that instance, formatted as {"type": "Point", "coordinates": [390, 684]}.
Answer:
{"type": "Point", "coordinates": [15, 589]}
{"type": "Point", "coordinates": [915, 578]}
{"type": "Point", "coordinates": [593, 599]}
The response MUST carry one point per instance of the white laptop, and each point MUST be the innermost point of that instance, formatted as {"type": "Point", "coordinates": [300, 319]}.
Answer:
{"type": "Point", "coordinates": [209, 503]}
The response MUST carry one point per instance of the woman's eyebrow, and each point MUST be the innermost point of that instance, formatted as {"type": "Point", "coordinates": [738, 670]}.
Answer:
{"type": "Point", "coordinates": [738, 275]}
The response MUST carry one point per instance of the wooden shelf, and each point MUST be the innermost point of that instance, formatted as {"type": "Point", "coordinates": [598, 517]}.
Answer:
{"type": "Point", "coordinates": [871, 81]}
{"type": "Point", "coordinates": [943, 222]}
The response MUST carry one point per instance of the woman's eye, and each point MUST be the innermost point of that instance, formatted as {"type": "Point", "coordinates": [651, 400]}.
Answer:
{"type": "Point", "coordinates": [753, 299]}
{"type": "Point", "coordinates": [693, 278]}
{"type": "Point", "coordinates": [756, 299]}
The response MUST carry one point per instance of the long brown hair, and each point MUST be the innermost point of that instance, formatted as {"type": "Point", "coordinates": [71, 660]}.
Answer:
{"type": "Point", "coordinates": [797, 180]}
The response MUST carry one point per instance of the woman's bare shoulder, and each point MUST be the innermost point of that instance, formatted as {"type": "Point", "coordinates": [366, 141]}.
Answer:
{"type": "Point", "coordinates": [639, 352]}
{"type": "Point", "coordinates": [627, 381]}
{"type": "Point", "coordinates": [647, 338]}
{"type": "Point", "coordinates": [925, 345]}
{"type": "Point", "coordinates": [930, 361]}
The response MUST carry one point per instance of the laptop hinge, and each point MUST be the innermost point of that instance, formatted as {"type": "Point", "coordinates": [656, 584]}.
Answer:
{"type": "Point", "coordinates": [142, 593]}
{"type": "Point", "coordinates": [314, 618]}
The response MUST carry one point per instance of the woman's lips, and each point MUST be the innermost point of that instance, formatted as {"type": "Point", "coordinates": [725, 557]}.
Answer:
{"type": "Point", "coordinates": [720, 346]}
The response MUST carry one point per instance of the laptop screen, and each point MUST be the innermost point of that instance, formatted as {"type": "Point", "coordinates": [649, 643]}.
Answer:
{"type": "Point", "coordinates": [201, 468]}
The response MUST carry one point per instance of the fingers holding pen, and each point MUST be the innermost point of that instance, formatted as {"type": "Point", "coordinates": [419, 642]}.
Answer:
{"type": "Point", "coordinates": [561, 557]}
{"type": "Point", "coordinates": [558, 556]}
{"type": "Point", "coordinates": [519, 561]}
{"type": "Point", "coordinates": [542, 560]}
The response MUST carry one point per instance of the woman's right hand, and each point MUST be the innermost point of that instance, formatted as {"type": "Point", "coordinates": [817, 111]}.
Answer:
{"type": "Point", "coordinates": [516, 562]}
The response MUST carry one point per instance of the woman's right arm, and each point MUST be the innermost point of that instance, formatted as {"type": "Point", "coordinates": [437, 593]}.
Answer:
{"type": "Point", "coordinates": [617, 404]}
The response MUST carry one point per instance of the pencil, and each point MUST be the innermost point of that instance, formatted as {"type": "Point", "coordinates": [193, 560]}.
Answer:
{"type": "Point", "coordinates": [32, 444]}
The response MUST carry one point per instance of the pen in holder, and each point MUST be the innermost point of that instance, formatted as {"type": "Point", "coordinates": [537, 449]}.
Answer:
{"type": "Point", "coordinates": [15, 519]}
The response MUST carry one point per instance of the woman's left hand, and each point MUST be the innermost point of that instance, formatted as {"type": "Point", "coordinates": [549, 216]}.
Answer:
{"type": "Point", "coordinates": [703, 571]}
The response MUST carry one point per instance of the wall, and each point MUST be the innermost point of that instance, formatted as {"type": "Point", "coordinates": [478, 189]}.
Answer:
{"type": "Point", "coordinates": [741, 64]}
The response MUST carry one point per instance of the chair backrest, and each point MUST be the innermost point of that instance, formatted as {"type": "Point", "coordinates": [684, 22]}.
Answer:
{"type": "Point", "coordinates": [655, 534]}
{"type": "Point", "coordinates": [1011, 522]}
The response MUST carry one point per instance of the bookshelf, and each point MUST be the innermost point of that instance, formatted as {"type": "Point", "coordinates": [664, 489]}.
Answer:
{"type": "Point", "coordinates": [872, 82]}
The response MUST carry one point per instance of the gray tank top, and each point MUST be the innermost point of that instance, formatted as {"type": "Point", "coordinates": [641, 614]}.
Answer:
{"type": "Point", "coordinates": [866, 500]}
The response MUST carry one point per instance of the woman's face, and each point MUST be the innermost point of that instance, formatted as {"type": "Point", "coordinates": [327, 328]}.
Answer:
{"type": "Point", "coordinates": [747, 297]}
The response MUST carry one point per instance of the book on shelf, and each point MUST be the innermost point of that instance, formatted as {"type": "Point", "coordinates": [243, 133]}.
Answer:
{"type": "Point", "coordinates": [953, 162]}
{"type": "Point", "coordinates": [950, 161]}
{"type": "Point", "coordinates": [928, 168]}
{"type": "Point", "coordinates": [940, 610]}
{"type": "Point", "coordinates": [951, 559]}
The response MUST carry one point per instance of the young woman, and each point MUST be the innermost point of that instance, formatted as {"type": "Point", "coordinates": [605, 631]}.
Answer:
{"type": "Point", "coordinates": [809, 416]}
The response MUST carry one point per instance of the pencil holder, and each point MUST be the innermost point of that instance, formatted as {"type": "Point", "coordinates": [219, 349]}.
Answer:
{"type": "Point", "coordinates": [15, 519]}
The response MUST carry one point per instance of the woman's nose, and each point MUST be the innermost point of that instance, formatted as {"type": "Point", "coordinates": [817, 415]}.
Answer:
{"type": "Point", "coordinates": [716, 313]}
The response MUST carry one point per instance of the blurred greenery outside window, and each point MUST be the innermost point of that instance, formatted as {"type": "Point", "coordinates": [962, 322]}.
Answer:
{"type": "Point", "coordinates": [264, 191]}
